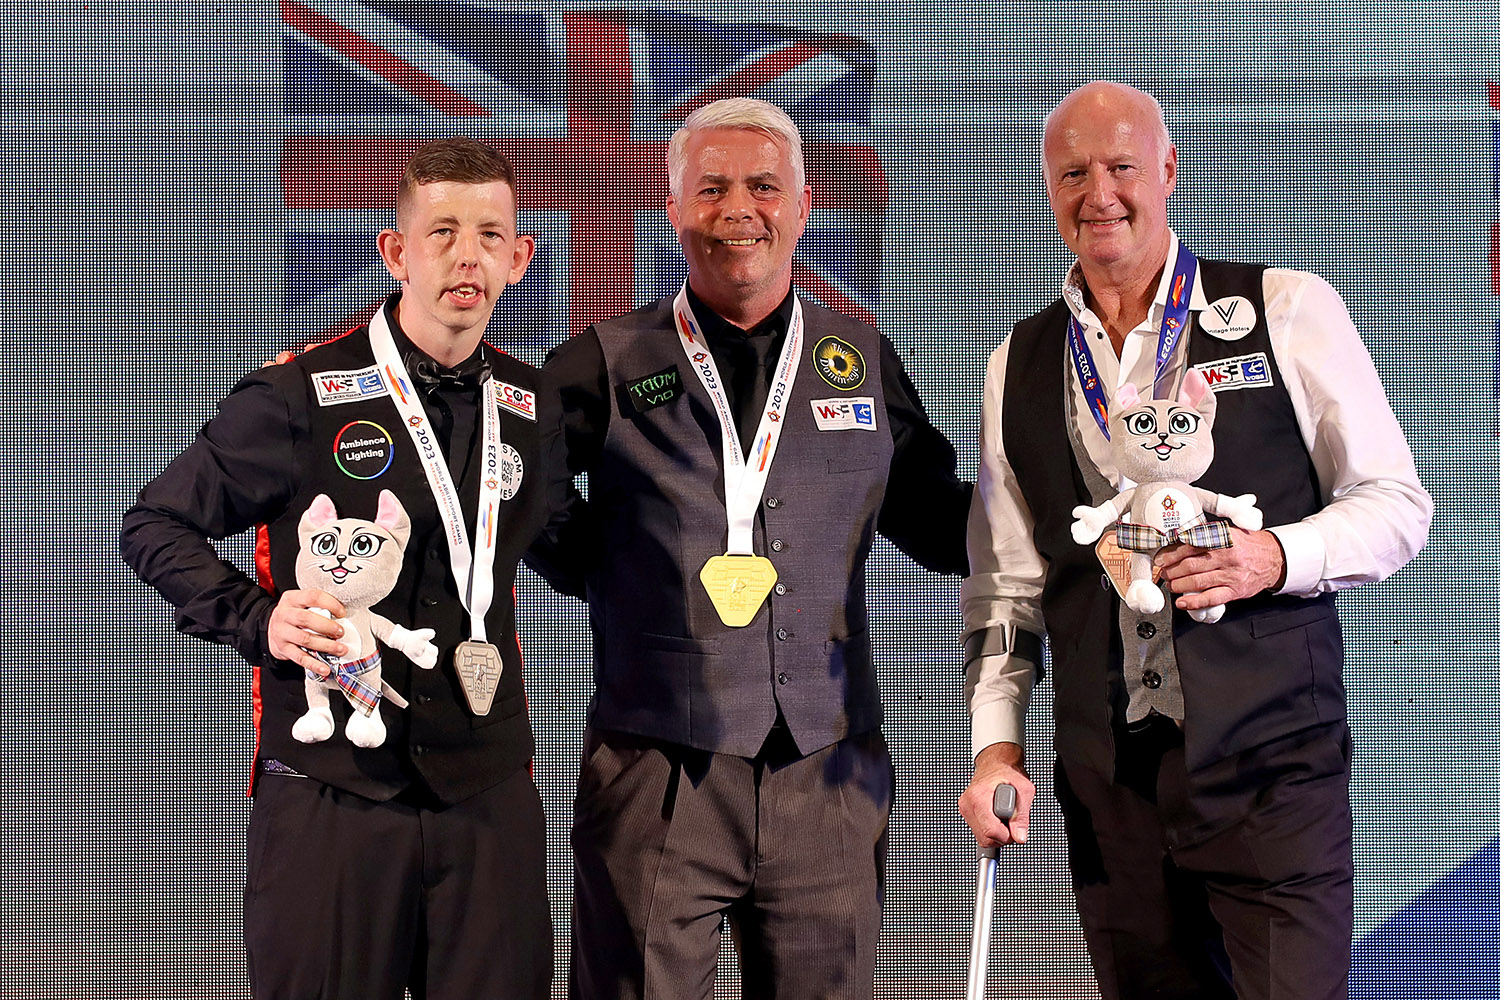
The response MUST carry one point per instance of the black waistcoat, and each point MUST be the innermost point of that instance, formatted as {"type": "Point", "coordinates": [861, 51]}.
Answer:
{"type": "Point", "coordinates": [356, 448]}
{"type": "Point", "coordinates": [1273, 665]}
{"type": "Point", "coordinates": [665, 666]}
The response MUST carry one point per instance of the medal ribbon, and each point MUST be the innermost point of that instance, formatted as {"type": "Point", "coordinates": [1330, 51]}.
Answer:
{"type": "Point", "coordinates": [473, 569]}
{"type": "Point", "coordinates": [744, 482]}
{"type": "Point", "coordinates": [1173, 323]}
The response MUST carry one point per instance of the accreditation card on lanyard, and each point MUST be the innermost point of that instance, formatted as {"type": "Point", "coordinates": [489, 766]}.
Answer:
{"type": "Point", "coordinates": [1173, 323]}
{"type": "Point", "coordinates": [738, 581]}
{"type": "Point", "coordinates": [476, 661]}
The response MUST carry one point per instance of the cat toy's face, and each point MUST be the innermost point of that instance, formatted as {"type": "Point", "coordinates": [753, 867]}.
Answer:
{"type": "Point", "coordinates": [1158, 439]}
{"type": "Point", "coordinates": [355, 560]}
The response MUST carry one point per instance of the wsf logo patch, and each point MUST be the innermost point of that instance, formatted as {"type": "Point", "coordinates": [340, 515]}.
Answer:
{"type": "Point", "coordinates": [1248, 371]}
{"type": "Point", "coordinates": [346, 387]}
{"type": "Point", "coordinates": [855, 413]}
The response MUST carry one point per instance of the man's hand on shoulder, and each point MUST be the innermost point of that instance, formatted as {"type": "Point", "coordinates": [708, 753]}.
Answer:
{"type": "Point", "coordinates": [295, 631]}
{"type": "Point", "coordinates": [1205, 577]}
{"type": "Point", "coordinates": [997, 764]}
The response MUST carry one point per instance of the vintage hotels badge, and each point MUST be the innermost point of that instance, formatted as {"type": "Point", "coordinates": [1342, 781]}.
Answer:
{"type": "Point", "coordinates": [737, 585]}
{"type": "Point", "coordinates": [1229, 318]}
{"type": "Point", "coordinates": [478, 666]}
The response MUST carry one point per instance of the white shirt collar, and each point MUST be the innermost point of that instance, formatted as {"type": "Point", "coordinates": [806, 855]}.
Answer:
{"type": "Point", "coordinates": [1074, 296]}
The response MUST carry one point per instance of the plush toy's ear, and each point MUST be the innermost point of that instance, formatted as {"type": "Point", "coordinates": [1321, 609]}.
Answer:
{"type": "Point", "coordinates": [391, 516]}
{"type": "Point", "coordinates": [319, 513]}
{"type": "Point", "coordinates": [1195, 391]}
{"type": "Point", "coordinates": [1127, 397]}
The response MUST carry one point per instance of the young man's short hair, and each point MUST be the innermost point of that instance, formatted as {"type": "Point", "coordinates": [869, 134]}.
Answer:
{"type": "Point", "coordinates": [460, 159]}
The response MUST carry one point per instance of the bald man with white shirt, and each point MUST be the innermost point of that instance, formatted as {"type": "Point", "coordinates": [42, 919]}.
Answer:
{"type": "Point", "coordinates": [1202, 769]}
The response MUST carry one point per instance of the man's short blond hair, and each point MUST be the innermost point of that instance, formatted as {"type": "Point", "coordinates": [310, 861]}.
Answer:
{"type": "Point", "coordinates": [738, 113]}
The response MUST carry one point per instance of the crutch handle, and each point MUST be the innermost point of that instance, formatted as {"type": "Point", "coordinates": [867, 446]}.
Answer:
{"type": "Point", "coordinates": [1004, 807]}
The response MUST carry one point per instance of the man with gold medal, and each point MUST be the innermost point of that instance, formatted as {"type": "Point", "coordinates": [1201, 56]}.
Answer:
{"type": "Point", "coordinates": [742, 445]}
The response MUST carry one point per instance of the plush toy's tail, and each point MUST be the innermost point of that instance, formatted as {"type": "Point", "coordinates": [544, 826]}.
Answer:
{"type": "Point", "coordinates": [389, 694]}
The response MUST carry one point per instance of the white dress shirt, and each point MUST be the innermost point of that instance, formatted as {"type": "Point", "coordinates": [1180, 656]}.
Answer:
{"type": "Point", "coordinates": [1375, 512]}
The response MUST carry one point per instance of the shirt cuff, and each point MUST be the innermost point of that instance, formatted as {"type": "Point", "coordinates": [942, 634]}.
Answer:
{"type": "Point", "coordinates": [997, 722]}
{"type": "Point", "coordinates": [1304, 549]}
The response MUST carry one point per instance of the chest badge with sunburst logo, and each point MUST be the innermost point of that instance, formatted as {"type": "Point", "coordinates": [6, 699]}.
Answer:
{"type": "Point", "coordinates": [840, 363]}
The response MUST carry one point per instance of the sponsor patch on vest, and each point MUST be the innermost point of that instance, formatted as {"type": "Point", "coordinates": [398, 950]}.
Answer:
{"type": "Point", "coordinates": [511, 472]}
{"type": "Point", "coordinates": [839, 363]}
{"type": "Point", "coordinates": [1248, 371]}
{"type": "Point", "coordinates": [349, 386]}
{"type": "Point", "coordinates": [363, 449]}
{"type": "Point", "coordinates": [852, 413]}
{"type": "Point", "coordinates": [517, 399]}
{"type": "Point", "coordinates": [651, 391]}
{"type": "Point", "coordinates": [1229, 318]}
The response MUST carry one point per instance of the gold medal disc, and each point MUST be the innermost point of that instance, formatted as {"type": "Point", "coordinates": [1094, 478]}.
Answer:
{"type": "Point", "coordinates": [737, 585]}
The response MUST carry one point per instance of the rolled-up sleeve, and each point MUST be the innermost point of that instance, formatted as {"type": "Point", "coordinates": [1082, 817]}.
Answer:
{"type": "Point", "coordinates": [1001, 597]}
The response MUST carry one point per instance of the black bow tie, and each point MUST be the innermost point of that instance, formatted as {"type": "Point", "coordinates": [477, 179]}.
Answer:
{"type": "Point", "coordinates": [431, 376]}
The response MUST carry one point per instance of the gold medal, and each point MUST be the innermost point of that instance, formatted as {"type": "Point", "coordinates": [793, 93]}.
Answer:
{"type": "Point", "coordinates": [737, 585]}
{"type": "Point", "coordinates": [478, 665]}
{"type": "Point", "coordinates": [1116, 563]}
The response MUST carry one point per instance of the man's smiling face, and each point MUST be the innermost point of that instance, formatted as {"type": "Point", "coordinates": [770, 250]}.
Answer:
{"type": "Point", "coordinates": [1109, 170]}
{"type": "Point", "coordinates": [738, 214]}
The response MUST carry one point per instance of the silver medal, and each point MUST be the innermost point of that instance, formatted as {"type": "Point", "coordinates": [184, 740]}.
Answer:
{"type": "Point", "coordinates": [478, 665]}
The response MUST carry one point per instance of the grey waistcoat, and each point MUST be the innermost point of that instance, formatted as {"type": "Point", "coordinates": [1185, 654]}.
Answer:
{"type": "Point", "coordinates": [665, 666]}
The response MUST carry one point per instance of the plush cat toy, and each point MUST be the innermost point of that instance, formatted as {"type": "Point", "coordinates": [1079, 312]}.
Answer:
{"type": "Point", "coordinates": [358, 562]}
{"type": "Point", "coordinates": [1163, 445]}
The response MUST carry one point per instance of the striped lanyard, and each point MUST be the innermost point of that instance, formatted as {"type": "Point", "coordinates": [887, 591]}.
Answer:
{"type": "Point", "coordinates": [1173, 324]}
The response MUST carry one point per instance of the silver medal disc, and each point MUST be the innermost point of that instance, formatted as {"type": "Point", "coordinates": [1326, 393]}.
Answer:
{"type": "Point", "coordinates": [478, 665]}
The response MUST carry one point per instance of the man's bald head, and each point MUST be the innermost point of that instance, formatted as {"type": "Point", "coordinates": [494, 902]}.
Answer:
{"type": "Point", "coordinates": [1110, 166]}
{"type": "Point", "coordinates": [1103, 101]}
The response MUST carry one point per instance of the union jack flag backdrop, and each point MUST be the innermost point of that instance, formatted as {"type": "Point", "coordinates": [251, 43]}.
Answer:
{"type": "Point", "coordinates": [584, 104]}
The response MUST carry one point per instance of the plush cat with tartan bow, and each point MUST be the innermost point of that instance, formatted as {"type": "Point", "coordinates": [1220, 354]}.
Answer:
{"type": "Point", "coordinates": [358, 562]}
{"type": "Point", "coordinates": [1163, 445]}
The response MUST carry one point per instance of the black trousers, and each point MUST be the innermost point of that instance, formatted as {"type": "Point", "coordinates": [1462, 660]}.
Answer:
{"type": "Point", "coordinates": [357, 900]}
{"type": "Point", "coordinates": [1238, 883]}
{"type": "Point", "coordinates": [668, 840]}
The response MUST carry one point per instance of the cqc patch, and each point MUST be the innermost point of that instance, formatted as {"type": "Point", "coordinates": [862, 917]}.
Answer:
{"type": "Point", "coordinates": [518, 400]}
{"type": "Point", "coordinates": [840, 363]}
{"type": "Point", "coordinates": [363, 449]}
{"type": "Point", "coordinates": [1248, 371]}
{"type": "Point", "coordinates": [349, 386]}
{"type": "Point", "coordinates": [854, 413]}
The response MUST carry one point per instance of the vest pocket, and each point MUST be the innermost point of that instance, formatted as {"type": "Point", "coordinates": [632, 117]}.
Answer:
{"type": "Point", "coordinates": [503, 709]}
{"type": "Point", "coordinates": [853, 461]}
{"type": "Point", "coordinates": [1276, 622]}
{"type": "Point", "coordinates": [679, 644]}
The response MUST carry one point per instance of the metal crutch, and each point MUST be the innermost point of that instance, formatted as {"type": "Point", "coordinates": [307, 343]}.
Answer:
{"type": "Point", "coordinates": [984, 898]}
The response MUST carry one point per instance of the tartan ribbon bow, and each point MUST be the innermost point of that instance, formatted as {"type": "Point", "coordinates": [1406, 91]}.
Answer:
{"type": "Point", "coordinates": [349, 676]}
{"type": "Point", "coordinates": [1212, 534]}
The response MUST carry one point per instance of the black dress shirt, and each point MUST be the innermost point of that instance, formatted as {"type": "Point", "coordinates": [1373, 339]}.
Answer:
{"type": "Point", "coordinates": [926, 506]}
{"type": "Point", "coordinates": [165, 533]}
